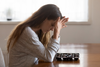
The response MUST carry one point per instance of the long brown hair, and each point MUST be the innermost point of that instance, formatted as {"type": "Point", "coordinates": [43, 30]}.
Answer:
{"type": "Point", "coordinates": [49, 11]}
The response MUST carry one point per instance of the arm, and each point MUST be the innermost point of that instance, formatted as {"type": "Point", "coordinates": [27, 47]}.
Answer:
{"type": "Point", "coordinates": [60, 23]}
{"type": "Point", "coordinates": [37, 49]}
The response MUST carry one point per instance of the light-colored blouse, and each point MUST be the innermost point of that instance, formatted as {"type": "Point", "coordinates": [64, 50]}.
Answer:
{"type": "Point", "coordinates": [28, 49]}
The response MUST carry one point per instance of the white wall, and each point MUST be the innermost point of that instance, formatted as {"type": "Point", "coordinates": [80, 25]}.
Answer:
{"type": "Point", "coordinates": [72, 33]}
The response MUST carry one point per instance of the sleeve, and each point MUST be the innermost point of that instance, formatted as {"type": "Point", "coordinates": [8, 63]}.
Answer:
{"type": "Point", "coordinates": [38, 49]}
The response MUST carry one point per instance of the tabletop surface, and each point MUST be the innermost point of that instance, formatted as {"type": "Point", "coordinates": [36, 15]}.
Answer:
{"type": "Point", "coordinates": [89, 56]}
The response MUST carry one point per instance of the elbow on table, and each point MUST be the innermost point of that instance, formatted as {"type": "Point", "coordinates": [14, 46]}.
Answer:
{"type": "Point", "coordinates": [50, 59]}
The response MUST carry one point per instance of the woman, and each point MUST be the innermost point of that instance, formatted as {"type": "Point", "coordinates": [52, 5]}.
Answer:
{"type": "Point", "coordinates": [30, 40]}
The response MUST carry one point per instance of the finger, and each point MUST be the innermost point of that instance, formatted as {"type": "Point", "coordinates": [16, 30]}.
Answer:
{"type": "Point", "coordinates": [64, 26]}
{"type": "Point", "coordinates": [58, 19]}
{"type": "Point", "coordinates": [64, 21]}
{"type": "Point", "coordinates": [63, 17]}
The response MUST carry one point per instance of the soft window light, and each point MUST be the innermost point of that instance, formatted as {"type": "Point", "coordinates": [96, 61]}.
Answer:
{"type": "Point", "coordinates": [76, 10]}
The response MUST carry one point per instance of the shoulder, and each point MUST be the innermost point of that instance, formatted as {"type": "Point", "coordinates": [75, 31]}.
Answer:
{"type": "Point", "coordinates": [29, 32]}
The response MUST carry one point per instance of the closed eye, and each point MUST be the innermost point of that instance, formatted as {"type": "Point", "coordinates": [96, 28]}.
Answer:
{"type": "Point", "coordinates": [52, 25]}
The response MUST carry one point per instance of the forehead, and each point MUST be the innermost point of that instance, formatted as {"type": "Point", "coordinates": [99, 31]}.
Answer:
{"type": "Point", "coordinates": [52, 21]}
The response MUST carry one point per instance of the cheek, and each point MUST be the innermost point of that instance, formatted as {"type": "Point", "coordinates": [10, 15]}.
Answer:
{"type": "Point", "coordinates": [46, 27]}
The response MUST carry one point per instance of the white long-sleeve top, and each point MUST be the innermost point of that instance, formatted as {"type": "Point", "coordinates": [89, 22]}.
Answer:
{"type": "Point", "coordinates": [28, 49]}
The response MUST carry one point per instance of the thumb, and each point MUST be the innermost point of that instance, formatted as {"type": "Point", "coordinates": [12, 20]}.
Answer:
{"type": "Point", "coordinates": [58, 19]}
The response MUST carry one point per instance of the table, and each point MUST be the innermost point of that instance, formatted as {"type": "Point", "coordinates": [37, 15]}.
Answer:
{"type": "Point", "coordinates": [89, 56]}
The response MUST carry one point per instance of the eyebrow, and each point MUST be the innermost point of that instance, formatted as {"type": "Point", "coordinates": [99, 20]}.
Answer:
{"type": "Point", "coordinates": [53, 23]}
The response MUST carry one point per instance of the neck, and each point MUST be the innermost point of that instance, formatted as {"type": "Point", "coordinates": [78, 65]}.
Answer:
{"type": "Point", "coordinates": [36, 30]}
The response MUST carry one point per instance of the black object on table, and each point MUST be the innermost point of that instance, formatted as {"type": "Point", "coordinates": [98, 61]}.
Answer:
{"type": "Point", "coordinates": [67, 56]}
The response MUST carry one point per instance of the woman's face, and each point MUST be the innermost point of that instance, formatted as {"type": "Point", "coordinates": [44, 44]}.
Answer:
{"type": "Point", "coordinates": [48, 25]}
